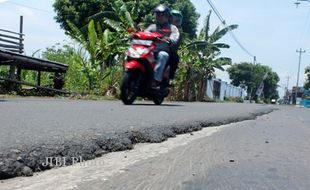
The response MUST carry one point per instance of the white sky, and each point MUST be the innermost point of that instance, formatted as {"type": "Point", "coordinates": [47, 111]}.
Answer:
{"type": "Point", "coordinates": [271, 30]}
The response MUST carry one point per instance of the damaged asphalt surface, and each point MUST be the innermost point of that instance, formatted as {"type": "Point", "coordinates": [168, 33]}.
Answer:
{"type": "Point", "coordinates": [33, 129]}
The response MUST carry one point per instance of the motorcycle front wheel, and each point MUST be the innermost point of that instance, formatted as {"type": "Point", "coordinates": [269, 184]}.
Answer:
{"type": "Point", "coordinates": [129, 87]}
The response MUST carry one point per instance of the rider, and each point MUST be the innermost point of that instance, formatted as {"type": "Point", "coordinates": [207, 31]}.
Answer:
{"type": "Point", "coordinates": [176, 20]}
{"type": "Point", "coordinates": [171, 35]}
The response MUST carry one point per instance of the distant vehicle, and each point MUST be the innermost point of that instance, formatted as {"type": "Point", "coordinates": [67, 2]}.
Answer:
{"type": "Point", "coordinates": [273, 101]}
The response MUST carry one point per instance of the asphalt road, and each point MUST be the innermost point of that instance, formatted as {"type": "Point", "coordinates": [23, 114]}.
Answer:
{"type": "Point", "coordinates": [269, 153]}
{"type": "Point", "coordinates": [25, 122]}
{"type": "Point", "coordinates": [33, 129]}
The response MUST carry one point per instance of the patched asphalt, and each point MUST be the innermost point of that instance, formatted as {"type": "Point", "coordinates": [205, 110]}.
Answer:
{"type": "Point", "coordinates": [33, 129]}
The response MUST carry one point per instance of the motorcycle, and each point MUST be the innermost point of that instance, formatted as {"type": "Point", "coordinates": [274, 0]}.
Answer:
{"type": "Point", "coordinates": [139, 70]}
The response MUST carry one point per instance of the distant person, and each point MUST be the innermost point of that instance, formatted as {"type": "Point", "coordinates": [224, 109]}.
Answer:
{"type": "Point", "coordinates": [58, 80]}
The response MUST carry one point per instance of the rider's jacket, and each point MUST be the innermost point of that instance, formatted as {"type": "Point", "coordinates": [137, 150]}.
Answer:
{"type": "Point", "coordinates": [168, 30]}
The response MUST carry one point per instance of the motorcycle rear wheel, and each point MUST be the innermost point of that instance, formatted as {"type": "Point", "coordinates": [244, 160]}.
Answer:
{"type": "Point", "coordinates": [158, 100]}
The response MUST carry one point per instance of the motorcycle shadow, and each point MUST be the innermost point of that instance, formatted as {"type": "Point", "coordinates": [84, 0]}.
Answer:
{"type": "Point", "coordinates": [152, 104]}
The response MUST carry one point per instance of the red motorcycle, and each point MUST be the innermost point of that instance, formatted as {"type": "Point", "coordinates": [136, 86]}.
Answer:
{"type": "Point", "coordinates": [139, 69]}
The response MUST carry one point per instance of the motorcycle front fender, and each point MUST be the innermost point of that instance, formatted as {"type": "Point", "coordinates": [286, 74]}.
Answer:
{"type": "Point", "coordinates": [133, 64]}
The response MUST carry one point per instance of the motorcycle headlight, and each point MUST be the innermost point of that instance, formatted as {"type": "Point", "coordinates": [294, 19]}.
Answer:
{"type": "Point", "coordinates": [137, 53]}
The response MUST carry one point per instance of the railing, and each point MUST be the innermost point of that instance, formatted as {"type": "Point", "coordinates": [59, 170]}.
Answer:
{"type": "Point", "coordinates": [13, 41]}
{"type": "Point", "coordinates": [11, 54]}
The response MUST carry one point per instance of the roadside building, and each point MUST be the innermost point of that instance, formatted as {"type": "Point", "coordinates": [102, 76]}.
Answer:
{"type": "Point", "coordinates": [290, 95]}
{"type": "Point", "coordinates": [218, 89]}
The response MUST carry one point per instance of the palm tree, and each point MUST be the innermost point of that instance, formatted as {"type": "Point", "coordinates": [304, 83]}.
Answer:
{"type": "Point", "coordinates": [204, 54]}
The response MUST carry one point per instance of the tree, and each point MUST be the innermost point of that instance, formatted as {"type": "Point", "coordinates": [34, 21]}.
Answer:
{"type": "Point", "coordinates": [78, 12]}
{"type": "Point", "coordinates": [203, 54]}
{"type": "Point", "coordinates": [307, 83]}
{"type": "Point", "coordinates": [99, 48]}
{"type": "Point", "coordinates": [250, 76]}
{"type": "Point", "coordinates": [104, 46]}
{"type": "Point", "coordinates": [88, 51]}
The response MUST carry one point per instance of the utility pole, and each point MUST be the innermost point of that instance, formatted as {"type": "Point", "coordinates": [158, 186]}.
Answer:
{"type": "Point", "coordinates": [252, 83]}
{"type": "Point", "coordinates": [286, 96]}
{"type": "Point", "coordinates": [300, 51]}
{"type": "Point", "coordinates": [288, 80]}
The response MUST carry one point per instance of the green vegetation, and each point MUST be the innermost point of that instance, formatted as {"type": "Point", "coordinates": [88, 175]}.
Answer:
{"type": "Point", "coordinates": [99, 30]}
{"type": "Point", "coordinates": [234, 99]}
{"type": "Point", "coordinates": [250, 75]}
{"type": "Point", "coordinates": [79, 12]}
{"type": "Point", "coordinates": [307, 72]}
{"type": "Point", "coordinates": [103, 34]}
{"type": "Point", "coordinates": [199, 59]}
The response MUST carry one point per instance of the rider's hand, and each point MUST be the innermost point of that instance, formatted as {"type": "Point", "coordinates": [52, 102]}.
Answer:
{"type": "Point", "coordinates": [167, 40]}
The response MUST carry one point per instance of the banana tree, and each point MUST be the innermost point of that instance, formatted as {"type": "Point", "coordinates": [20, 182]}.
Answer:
{"type": "Point", "coordinates": [205, 54]}
{"type": "Point", "coordinates": [103, 46]}
{"type": "Point", "coordinates": [96, 50]}
{"type": "Point", "coordinates": [88, 51]}
{"type": "Point", "coordinates": [120, 20]}
{"type": "Point", "coordinates": [119, 23]}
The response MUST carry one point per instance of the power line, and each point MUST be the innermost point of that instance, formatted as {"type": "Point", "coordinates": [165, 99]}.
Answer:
{"type": "Point", "coordinates": [30, 7]}
{"type": "Point", "coordinates": [240, 45]}
{"type": "Point", "coordinates": [305, 29]}
{"type": "Point", "coordinates": [216, 12]}
{"type": "Point", "coordinates": [219, 16]}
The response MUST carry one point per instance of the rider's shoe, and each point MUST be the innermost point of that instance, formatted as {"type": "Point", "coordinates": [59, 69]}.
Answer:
{"type": "Point", "coordinates": [155, 85]}
{"type": "Point", "coordinates": [170, 83]}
